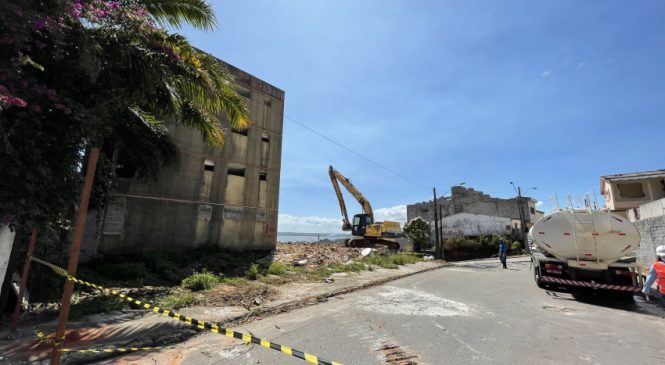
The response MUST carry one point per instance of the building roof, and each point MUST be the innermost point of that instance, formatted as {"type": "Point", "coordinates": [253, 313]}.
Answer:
{"type": "Point", "coordinates": [631, 176]}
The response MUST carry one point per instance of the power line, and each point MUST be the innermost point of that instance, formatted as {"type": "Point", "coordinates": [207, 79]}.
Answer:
{"type": "Point", "coordinates": [356, 153]}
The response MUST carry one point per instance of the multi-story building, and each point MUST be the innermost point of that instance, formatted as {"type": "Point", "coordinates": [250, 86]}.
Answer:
{"type": "Point", "coordinates": [464, 202]}
{"type": "Point", "coordinates": [630, 190]}
{"type": "Point", "coordinates": [224, 197]}
{"type": "Point", "coordinates": [640, 196]}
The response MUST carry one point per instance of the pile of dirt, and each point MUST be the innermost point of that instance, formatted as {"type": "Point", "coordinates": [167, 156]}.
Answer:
{"type": "Point", "coordinates": [312, 255]}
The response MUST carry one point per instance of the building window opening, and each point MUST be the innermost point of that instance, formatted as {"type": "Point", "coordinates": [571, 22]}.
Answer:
{"type": "Point", "coordinates": [237, 171]}
{"type": "Point", "coordinates": [240, 131]}
{"type": "Point", "coordinates": [263, 176]}
{"type": "Point", "coordinates": [631, 190]}
{"type": "Point", "coordinates": [265, 137]}
{"type": "Point", "coordinates": [267, 102]}
{"type": "Point", "coordinates": [244, 92]}
{"type": "Point", "coordinates": [208, 165]}
{"type": "Point", "coordinates": [533, 210]}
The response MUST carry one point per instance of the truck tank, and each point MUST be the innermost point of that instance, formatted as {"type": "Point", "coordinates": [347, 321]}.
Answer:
{"type": "Point", "coordinates": [594, 236]}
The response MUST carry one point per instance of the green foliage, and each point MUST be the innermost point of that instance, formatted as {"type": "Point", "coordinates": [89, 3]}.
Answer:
{"type": "Point", "coordinates": [516, 246]}
{"type": "Point", "coordinates": [200, 281]}
{"type": "Point", "coordinates": [254, 272]}
{"type": "Point", "coordinates": [176, 300]}
{"type": "Point", "coordinates": [236, 281]}
{"type": "Point", "coordinates": [418, 230]}
{"type": "Point", "coordinates": [390, 261]}
{"type": "Point", "coordinates": [64, 89]}
{"type": "Point", "coordinates": [462, 248]}
{"type": "Point", "coordinates": [277, 268]}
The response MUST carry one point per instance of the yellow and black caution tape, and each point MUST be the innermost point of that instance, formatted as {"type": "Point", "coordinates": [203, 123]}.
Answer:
{"type": "Point", "coordinates": [312, 359]}
{"type": "Point", "coordinates": [45, 338]}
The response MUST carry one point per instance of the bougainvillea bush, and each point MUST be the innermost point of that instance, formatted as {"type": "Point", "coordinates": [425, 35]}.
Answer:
{"type": "Point", "coordinates": [76, 74]}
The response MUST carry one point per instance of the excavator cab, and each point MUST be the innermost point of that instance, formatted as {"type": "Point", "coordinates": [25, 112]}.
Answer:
{"type": "Point", "coordinates": [360, 223]}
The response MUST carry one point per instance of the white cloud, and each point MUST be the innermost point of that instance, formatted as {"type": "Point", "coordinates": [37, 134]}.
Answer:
{"type": "Point", "coordinates": [290, 223]}
{"type": "Point", "coordinates": [539, 203]}
{"type": "Point", "coordinates": [546, 73]}
{"type": "Point", "coordinates": [312, 224]}
{"type": "Point", "coordinates": [396, 214]}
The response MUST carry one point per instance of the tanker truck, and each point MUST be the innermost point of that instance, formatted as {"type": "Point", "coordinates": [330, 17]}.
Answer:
{"type": "Point", "coordinates": [583, 249]}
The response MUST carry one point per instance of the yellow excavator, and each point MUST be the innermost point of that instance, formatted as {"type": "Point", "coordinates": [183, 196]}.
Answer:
{"type": "Point", "coordinates": [365, 232]}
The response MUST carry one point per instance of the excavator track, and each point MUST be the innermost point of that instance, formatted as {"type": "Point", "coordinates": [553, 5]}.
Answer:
{"type": "Point", "coordinates": [372, 243]}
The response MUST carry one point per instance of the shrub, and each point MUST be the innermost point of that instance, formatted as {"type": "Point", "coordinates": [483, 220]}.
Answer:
{"type": "Point", "coordinates": [516, 246]}
{"type": "Point", "coordinates": [418, 230]}
{"type": "Point", "coordinates": [200, 281]}
{"type": "Point", "coordinates": [254, 272]}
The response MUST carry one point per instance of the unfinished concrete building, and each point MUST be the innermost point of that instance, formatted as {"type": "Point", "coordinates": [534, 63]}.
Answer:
{"type": "Point", "coordinates": [217, 197]}
{"type": "Point", "coordinates": [463, 200]}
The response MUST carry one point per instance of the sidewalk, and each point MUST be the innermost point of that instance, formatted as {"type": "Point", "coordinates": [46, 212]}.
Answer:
{"type": "Point", "coordinates": [137, 328]}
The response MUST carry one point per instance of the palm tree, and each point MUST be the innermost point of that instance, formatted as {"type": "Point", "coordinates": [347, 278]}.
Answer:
{"type": "Point", "coordinates": [170, 80]}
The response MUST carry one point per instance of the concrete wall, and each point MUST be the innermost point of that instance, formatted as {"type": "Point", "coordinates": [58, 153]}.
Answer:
{"type": "Point", "coordinates": [463, 200]}
{"type": "Point", "coordinates": [650, 221]}
{"type": "Point", "coordinates": [652, 235]}
{"type": "Point", "coordinates": [225, 197]}
{"type": "Point", "coordinates": [467, 224]}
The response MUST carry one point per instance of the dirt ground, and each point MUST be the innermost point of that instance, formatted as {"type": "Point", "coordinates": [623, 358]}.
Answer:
{"type": "Point", "coordinates": [313, 255]}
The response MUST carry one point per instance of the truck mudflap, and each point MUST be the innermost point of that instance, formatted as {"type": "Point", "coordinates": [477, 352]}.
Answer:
{"type": "Point", "coordinates": [587, 284]}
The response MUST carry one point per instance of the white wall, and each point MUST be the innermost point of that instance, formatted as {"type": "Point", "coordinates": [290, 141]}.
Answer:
{"type": "Point", "coordinates": [6, 241]}
{"type": "Point", "coordinates": [653, 209]}
{"type": "Point", "coordinates": [467, 224]}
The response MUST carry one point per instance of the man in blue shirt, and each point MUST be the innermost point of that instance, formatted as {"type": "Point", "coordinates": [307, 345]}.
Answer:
{"type": "Point", "coordinates": [503, 252]}
{"type": "Point", "coordinates": [657, 272]}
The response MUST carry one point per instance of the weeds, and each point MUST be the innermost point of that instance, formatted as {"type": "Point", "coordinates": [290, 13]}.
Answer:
{"type": "Point", "coordinates": [200, 281]}
{"type": "Point", "coordinates": [254, 272]}
{"type": "Point", "coordinates": [177, 300]}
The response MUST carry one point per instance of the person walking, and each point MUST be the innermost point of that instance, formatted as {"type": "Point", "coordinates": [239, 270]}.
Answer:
{"type": "Point", "coordinates": [503, 252]}
{"type": "Point", "coordinates": [657, 273]}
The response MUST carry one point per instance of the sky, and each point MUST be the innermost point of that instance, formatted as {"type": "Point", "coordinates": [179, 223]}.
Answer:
{"type": "Point", "coordinates": [420, 94]}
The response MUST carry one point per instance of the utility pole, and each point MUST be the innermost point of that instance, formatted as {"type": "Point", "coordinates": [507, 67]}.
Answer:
{"type": "Point", "coordinates": [437, 243]}
{"type": "Point", "coordinates": [443, 255]}
{"type": "Point", "coordinates": [522, 220]}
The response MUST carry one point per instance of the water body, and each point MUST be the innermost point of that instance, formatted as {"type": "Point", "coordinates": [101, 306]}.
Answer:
{"type": "Point", "coordinates": [297, 237]}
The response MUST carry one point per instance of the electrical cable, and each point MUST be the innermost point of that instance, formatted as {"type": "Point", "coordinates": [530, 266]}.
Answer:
{"type": "Point", "coordinates": [356, 153]}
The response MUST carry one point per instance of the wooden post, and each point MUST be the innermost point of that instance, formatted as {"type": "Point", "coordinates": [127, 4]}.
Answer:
{"type": "Point", "coordinates": [74, 255]}
{"type": "Point", "coordinates": [24, 280]}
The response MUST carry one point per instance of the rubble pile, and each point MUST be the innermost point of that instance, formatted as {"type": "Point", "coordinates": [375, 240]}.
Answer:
{"type": "Point", "coordinates": [310, 255]}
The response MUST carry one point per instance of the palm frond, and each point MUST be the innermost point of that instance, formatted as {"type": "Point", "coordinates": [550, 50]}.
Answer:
{"type": "Point", "coordinates": [176, 13]}
{"type": "Point", "coordinates": [206, 123]}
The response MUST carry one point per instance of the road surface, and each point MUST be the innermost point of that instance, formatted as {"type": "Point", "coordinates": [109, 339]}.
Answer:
{"type": "Point", "coordinates": [474, 312]}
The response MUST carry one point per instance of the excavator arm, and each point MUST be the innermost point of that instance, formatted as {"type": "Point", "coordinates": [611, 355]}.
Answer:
{"type": "Point", "coordinates": [336, 177]}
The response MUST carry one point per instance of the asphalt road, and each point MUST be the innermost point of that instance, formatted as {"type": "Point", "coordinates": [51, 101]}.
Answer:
{"type": "Point", "coordinates": [471, 313]}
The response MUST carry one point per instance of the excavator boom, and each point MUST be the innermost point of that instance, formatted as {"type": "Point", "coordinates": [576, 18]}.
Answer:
{"type": "Point", "coordinates": [336, 177]}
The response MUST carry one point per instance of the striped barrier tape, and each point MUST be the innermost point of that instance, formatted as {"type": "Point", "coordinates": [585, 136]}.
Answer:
{"type": "Point", "coordinates": [202, 325]}
{"type": "Point", "coordinates": [587, 284]}
{"type": "Point", "coordinates": [43, 337]}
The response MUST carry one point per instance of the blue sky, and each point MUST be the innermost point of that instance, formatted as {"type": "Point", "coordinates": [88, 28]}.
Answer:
{"type": "Point", "coordinates": [548, 94]}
